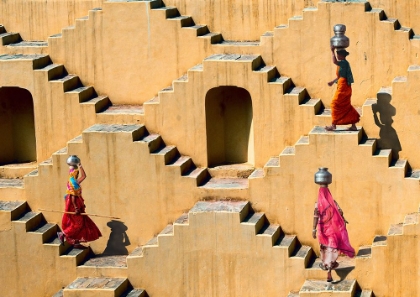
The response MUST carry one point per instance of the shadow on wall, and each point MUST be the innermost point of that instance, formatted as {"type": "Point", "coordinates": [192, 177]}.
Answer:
{"type": "Point", "coordinates": [118, 239]}
{"type": "Point", "coordinates": [388, 138]}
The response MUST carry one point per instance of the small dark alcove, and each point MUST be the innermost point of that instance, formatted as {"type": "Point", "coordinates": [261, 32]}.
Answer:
{"type": "Point", "coordinates": [17, 126]}
{"type": "Point", "coordinates": [229, 126]}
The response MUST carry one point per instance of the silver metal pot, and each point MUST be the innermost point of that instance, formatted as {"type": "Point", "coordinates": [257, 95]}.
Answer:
{"type": "Point", "coordinates": [340, 41]}
{"type": "Point", "coordinates": [323, 177]}
{"type": "Point", "coordinates": [73, 160]}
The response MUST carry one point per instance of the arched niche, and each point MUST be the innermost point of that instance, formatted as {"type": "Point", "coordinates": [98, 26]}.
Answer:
{"type": "Point", "coordinates": [229, 126]}
{"type": "Point", "coordinates": [17, 126]}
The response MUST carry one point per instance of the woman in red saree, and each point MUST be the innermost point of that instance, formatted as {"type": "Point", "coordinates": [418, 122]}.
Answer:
{"type": "Point", "coordinates": [76, 228]}
{"type": "Point", "coordinates": [342, 111]}
{"type": "Point", "coordinates": [332, 232]}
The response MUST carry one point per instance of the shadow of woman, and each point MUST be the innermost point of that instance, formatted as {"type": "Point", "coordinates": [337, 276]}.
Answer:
{"type": "Point", "coordinates": [388, 138]}
{"type": "Point", "coordinates": [118, 239]}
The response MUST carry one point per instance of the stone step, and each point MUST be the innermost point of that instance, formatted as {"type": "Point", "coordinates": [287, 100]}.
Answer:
{"type": "Point", "coordinates": [272, 231]}
{"type": "Point", "coordinates": [255, 61]}
{"type": "Point", "coordinates": [396, 229]}
{"type": "Point", "coordinates": [226, 183]}
{"type": "Point", "coordinates": [184, 163]}
{"type": "Point", "coordinates": [344, 288]}
{"type": "Point", "coordinates": [344, 270]}
{"type": "Point", "coordinates": [299, 94]}
{"type": "Point", "coordinates": [256, 220]}
{"type": "Point", "coordinates": [364, 252]}
{"type": "Point", "coordinates": [27, 47]}
{"type": "Point", "coordinates": [136, 293]}
{"type": "Point", "coordinates": [29, 220]}
{"type": "Point", "coordinates": [201, 175]}
{"type": "Point", "coordinates": [59, 294]}
{"type": "Point", "coordinates": [38, 61]}
{"type": "Point", "coordinates": [104, 265]}
{"type": "Point", "coordinates": [15, 208]}
{"type": "Point", "coordinates": [17, 170]}
{"type": "Point", "coordinates": [303, 252]}
{"type": "Point", "coordinates": [168, 153]}
{"type": "Point", "coordinates": [288, 242]}
{"type": "Point", "coordinates": [53, 71]}
{"type": "Point", "coordinates": [79, 255]}
{"type": "Point", "coordinates": [83, 93]}
{"type": "Point", "coordinates": [232, 171]}
{"type": "Point", "coordinates": [98, 286]}
{"type": "Point", "coordinates": [283, 80]}
{"type": "Point", "coordinates": [68, 82]}
{"type": "Point", "coordinates": [154, 141]}
{"type": "Point", "coordinates": [9, 38]}
{"type": "Point", "coordinates": [100, 103]}
{"type": "Point", "coordinates": [121, 114]}
{"type": "Point", "coordinates": [46, 231]}
{"type": "Point", "coordinates": [215, 38]}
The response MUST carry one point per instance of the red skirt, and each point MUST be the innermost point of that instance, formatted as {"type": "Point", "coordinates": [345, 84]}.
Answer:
{"type": "Point", "coordinates": [342, 111]}
{"type": "Point", "coordinates": [78, 228]}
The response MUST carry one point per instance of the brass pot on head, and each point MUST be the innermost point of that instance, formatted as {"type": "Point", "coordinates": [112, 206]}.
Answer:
{"type": "Point", "coordinates": [73, 160]}
{"type": "Point", "coordinates": [340, 41]}
{"type": "Point", "coordinates": [323, 177]}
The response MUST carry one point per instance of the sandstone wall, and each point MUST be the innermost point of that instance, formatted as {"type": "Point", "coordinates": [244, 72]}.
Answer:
{"type": "Point", "coordinates": [36, 20]}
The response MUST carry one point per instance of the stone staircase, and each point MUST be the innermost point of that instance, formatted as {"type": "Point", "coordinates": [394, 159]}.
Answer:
{"type": "Point", "coordinates": [286, 249]}
{"type": "Point", "coordinates": [380, 241]}
{"type": "Point", "coordinates": [287, 102]}
{"type": "Point", "coordinates": [371, 78]}
{"type": "Point", "coordinates": [156, 7]}
{"type": "Point", "coordinates": [398, 105]}
{"type": "Point", "coordinates": [13, 44]}
{"type": "Point", "coordinates": [69, 97]}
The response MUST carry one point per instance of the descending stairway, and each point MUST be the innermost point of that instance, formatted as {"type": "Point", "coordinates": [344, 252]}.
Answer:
{"type": "Point", "coordinates": [271, 92]}
{"type": "Point", "coordinates": [405, 44]}
{"type": "Point", "coordinates": [50, 84]}
{"type": "Point", "coordinates": [13, 44]}
{"type": "Point", "coordinates": [271, 241]}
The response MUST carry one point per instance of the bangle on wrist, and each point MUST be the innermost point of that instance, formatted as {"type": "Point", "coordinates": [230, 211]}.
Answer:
{"type": "Point", "coordinates": [314, 230]}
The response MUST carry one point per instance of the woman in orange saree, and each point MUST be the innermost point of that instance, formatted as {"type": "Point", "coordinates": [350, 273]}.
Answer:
{"type": "Point", "coordinates": [342, 111]}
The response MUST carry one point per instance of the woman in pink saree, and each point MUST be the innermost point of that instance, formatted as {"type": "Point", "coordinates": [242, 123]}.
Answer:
{"type": "Point", "coordinates": [332, 232]}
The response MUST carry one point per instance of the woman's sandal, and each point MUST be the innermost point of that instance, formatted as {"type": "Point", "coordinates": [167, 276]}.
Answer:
{"type": "Point", "coordinates": [329, 280]}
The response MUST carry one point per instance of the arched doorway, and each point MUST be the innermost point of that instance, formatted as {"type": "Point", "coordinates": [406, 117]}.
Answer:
{"type": "Point", "coordinates": [17, 126]}
{"type": "Point", "coordinates": [229, 126]}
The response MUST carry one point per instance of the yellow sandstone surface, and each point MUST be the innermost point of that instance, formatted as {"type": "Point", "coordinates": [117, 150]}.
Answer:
{"type": "Point", "coordinates": [149, 98]}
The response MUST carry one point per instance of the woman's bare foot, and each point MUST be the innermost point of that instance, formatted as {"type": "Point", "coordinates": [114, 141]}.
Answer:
{"type": "Point", "coordinates": [329, 276]}
{"type": "Point", "coordinates": [330, 128]}
{"type": "Point", "coordinates": [352, 128]}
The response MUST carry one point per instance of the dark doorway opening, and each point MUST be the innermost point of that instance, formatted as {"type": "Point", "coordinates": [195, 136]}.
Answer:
{"type": "Point", "coordinates": [229, 126]}
{"type": "Point", "coordinates": [17, 126]}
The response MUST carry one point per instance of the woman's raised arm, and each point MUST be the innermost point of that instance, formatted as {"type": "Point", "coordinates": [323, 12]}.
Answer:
{"type": "Point", "coordinates": [82, 174]}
